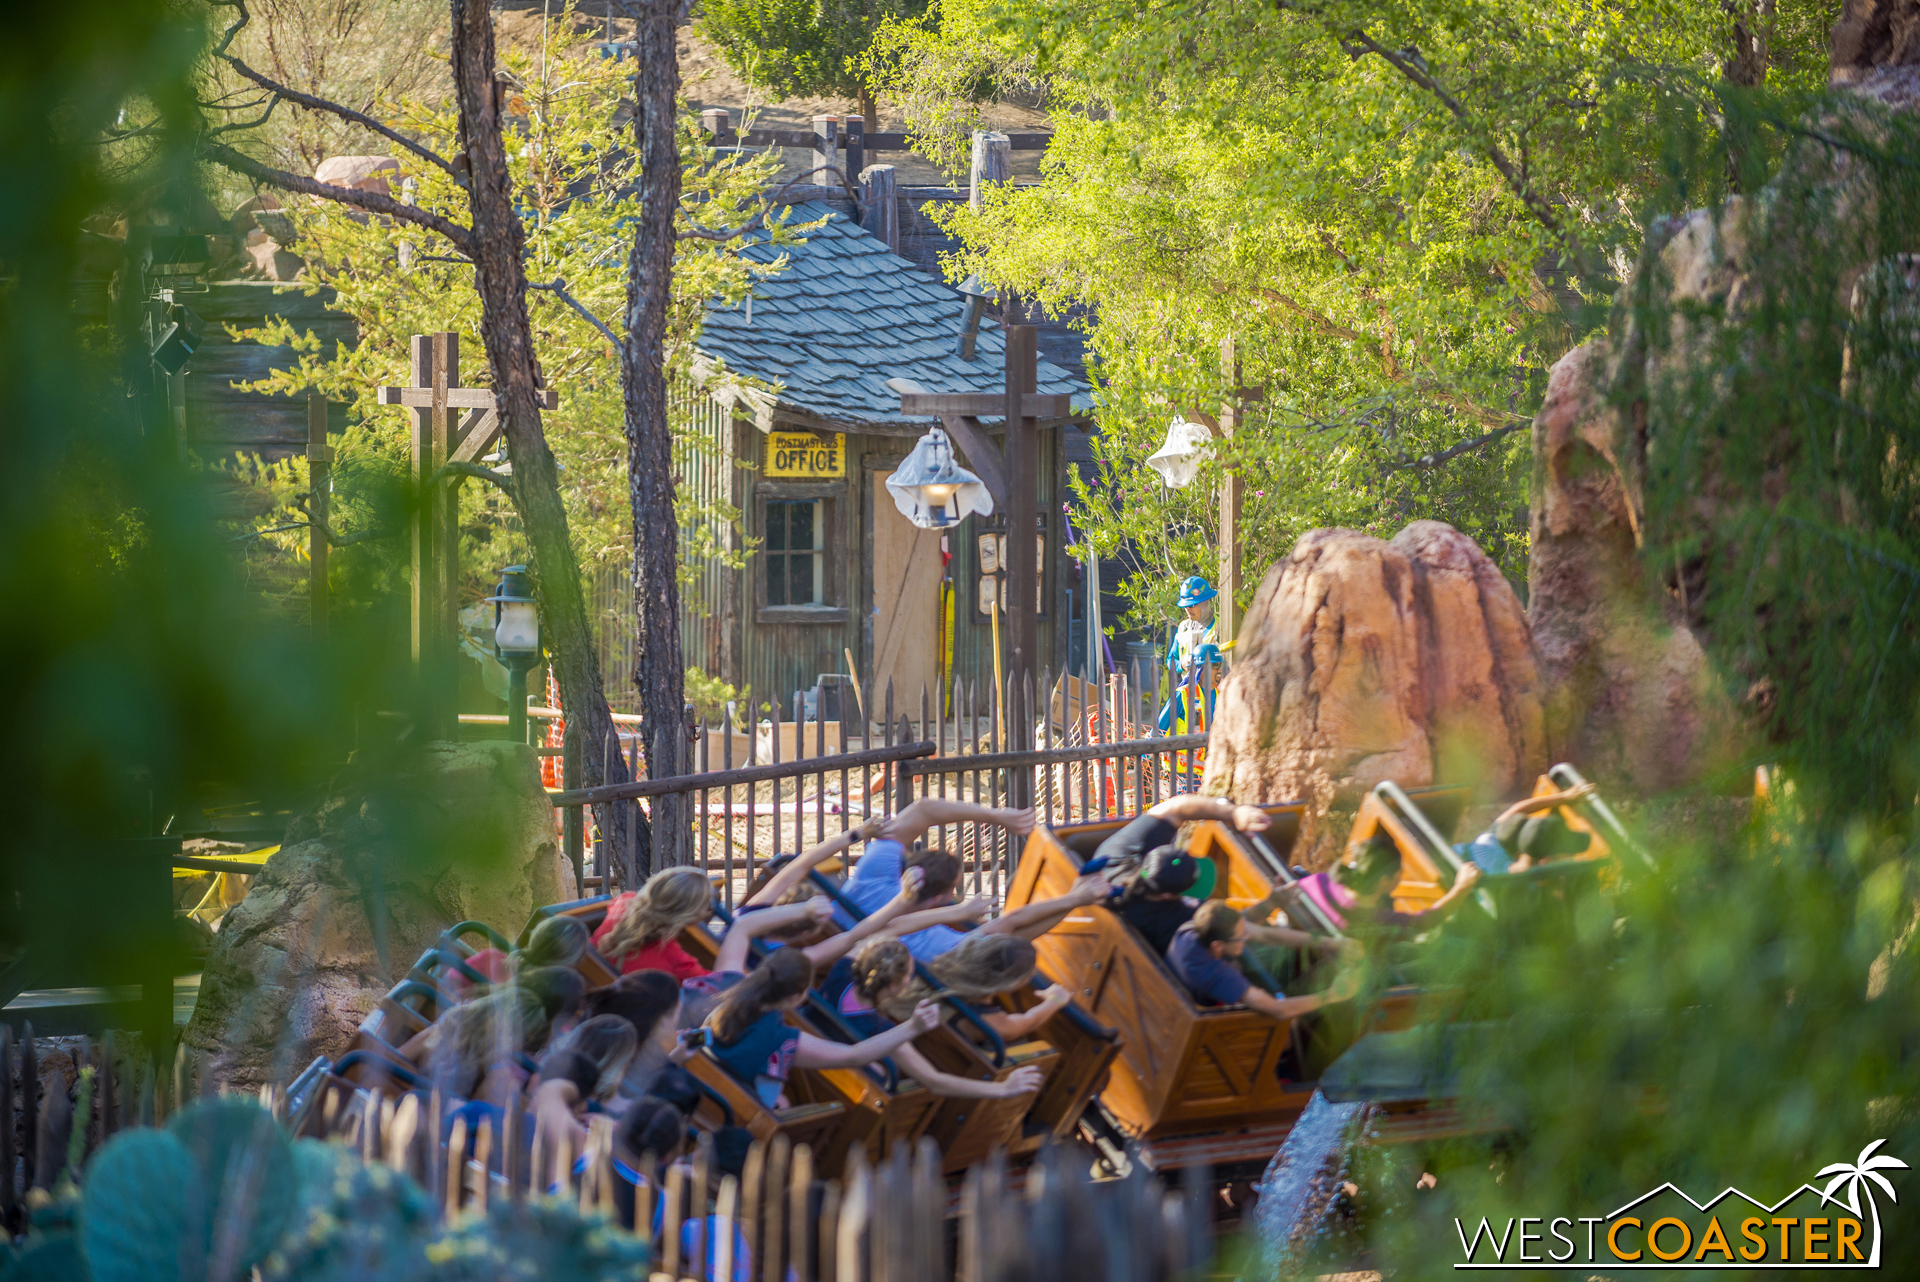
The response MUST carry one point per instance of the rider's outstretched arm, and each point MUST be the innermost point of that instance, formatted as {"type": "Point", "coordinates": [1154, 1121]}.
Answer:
{"type": "Point", "coordinates": [934, 812]}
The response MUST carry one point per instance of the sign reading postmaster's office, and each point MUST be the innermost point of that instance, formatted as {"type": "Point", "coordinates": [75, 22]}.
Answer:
{"type": "Point", "coordinates": [806, 456]}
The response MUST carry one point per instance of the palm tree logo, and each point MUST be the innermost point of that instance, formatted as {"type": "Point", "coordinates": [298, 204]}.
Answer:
{"type": "Point", "coordinates": [1855, 1177]}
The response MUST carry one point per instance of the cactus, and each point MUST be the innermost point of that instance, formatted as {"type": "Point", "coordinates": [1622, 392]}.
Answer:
{"type": "Point", "coordinates": [354, 1223]}
{"type": "Point", "coordinates": [205, 1198]}
{"type": "Point", "coordinates": [247, 1180]}
{"type": "Point", "coordinates": [137, 1215]}
{"type": "Point", "coordinates": [49, 1257]}
{"type": "Point", "coordinates": [539, 1240]}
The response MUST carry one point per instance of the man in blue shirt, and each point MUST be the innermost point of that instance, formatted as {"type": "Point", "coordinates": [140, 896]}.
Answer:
{"type": "Point", "coordinates": [1205, 956]}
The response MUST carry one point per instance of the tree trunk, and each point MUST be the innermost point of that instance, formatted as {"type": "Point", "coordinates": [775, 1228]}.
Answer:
{"type": "Point", "coordinates": [499, 243]}
{"type": "Point", "coordinates": [1746, 66]}
{"type": "Point", "coordinates": [659, 671]}
{"type": "Point", "coordinates": [869, 112]}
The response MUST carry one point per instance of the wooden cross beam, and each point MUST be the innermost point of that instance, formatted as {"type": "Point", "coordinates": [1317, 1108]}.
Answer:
{"type": "Point", "coordinates": [434, 397]}
{"type": "Point", "coordinates": [478, 429]}
{"type": "Point", "coordinates": [986, 405]}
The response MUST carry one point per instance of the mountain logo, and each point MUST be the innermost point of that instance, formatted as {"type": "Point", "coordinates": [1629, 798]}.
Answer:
{"type": "Point", "coordinates": [1666, 1228]}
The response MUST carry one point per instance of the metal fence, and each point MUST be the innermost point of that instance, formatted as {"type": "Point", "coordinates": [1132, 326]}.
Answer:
{"type": "Point", "coordinates": [742, 794]}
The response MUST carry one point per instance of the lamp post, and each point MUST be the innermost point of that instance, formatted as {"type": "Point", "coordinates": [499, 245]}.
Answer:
{"type": "Point", "coordinates": [516, 642]}
{"type": "Point", "coordinates": [932, 490]}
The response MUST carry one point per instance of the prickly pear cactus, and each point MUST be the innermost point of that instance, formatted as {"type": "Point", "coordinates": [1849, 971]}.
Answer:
{"type": "Point", "coordinates": [539, 1242]}
{"type": "Point", "coordinates": [48, 1257]}
{"type": "Point", "coordinates": [247, 1176]}
{"type": "Point", "coordinates": [143, 1213]}
{"type": "Point", "coordinates": [353, 1222]}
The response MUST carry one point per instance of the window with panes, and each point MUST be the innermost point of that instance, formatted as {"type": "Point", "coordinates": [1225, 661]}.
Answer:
{"type": "Point", "coordinates": [793, 550]}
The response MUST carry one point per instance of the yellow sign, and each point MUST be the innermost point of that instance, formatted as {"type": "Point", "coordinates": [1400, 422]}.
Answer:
{"type": "Point", "coordinates": [806, 456]}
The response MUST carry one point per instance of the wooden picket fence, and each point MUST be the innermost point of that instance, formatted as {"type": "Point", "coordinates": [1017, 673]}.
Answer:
{"type": "Point", "coordinates": [898, 1222]}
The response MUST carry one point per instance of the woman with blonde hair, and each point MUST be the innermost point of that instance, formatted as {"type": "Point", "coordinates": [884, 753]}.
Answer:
{"type": "Point", "coordinates": [978, 968]}
{"type": "Point", "coordinates": [880, 971]}
{"type": "Point", "coordinates": [642, 927]}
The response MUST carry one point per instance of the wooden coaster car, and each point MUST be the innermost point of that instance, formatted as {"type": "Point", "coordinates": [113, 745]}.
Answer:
{"type": "Point", "coordinates": [729, 1103]}
{"type": "Point", "coordinates": [1180, 1068]}
{"type": "Point", "coordinates": [1183, 1069]}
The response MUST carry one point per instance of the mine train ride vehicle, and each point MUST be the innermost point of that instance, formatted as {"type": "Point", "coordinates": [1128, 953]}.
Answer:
{"type": "Point", "coordinates": [1132, 1063]}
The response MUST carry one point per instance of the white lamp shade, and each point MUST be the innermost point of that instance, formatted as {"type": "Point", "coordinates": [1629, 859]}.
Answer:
{"type": "Point", "coordinates": [518, 631]}
{"type": "Point", "coordinates": [932, 490]}
{"type": "Point", "coordinates": [1178, 459]}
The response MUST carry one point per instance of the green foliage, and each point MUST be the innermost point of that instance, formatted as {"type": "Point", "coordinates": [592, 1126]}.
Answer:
{"type": "Point", "coordinates": [1742, 1017]}
{"type": "Point", "coordinates": [710, 696]}
{"type": "Point", "coordinates": [575, 174]}
{"type": "Point", "coordinates": [942, 69]}
{"type": "Point", "coordinates": [801, 47]}
{"type": "Point", "coordinates": [1402, 214]}
{"type": "Point", "coordinates": [144, 1210]}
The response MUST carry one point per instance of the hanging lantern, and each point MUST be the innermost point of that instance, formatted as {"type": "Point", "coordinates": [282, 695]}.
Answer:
{"type": "Point", "coordinates": [1178, 459]}
{"type": "Point", "coordinates": [932, 490]}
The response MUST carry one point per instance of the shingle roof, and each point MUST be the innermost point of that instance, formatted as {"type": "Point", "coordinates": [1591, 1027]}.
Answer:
{"type": "Point", "coordinates": [847, 315]}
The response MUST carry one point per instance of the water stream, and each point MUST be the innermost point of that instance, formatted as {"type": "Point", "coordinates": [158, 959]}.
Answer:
{"type": "Point", "coordinates": [1300, 1183]}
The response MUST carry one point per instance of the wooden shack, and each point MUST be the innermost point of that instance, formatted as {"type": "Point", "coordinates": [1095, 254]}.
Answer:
{"type": "Point", "coordinates": [798, 396]}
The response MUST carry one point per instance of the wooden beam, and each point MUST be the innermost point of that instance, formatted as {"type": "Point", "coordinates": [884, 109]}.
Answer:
{"type": "Point", "coordinates": [319, 491]}
{"type": "Point", "coordinates": [743, 775]}
{"type": "Point", "coordinates": [1023, 476]}
{"type": "Point", "coordinates": [982, 455]}
{"type": "Point", "coordinates": [986, 405]}
{"type": "Point", "coordinates": [459, 398]}
{"type": "Point", "coordinates": [477, 433]}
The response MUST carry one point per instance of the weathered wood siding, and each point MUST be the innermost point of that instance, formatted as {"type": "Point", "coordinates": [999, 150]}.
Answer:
{"type": "Point", "coordinates": [222, 419]}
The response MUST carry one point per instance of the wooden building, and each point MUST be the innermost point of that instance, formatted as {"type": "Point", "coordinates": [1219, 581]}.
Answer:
{"type": "Point", "coordinates": [799, 397]}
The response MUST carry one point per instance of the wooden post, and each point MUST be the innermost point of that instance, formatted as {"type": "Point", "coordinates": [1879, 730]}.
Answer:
{"type": "Point", "coordinates": [1232, 488]}
{"type": "Point", "coordinates": [879, 195]}
{"type": "Point", "coordinates": [992, 163]}
{"type": "Point", "coordinates": [1022, 468]}
{"type": "Point", "coordinates": [717, 122]}
{"type": "Point", "coordinates": [854, 129]}
{"type": "Point", "coordinates": [319, 485]}
{"type": "Point", "coordinates": [826, 150]}
{"type": "Point", "coordinates": [436, 366]}
{"type": "Point", "coordinates": [573, 818]}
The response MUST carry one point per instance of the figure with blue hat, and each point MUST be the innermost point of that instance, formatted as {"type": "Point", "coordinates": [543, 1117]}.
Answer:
{"type": "Point", "coordinates": [1194, 661]}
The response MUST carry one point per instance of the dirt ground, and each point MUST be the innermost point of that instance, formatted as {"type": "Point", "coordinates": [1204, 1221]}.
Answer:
{"type": "Point", "coordinates": [707, 81]}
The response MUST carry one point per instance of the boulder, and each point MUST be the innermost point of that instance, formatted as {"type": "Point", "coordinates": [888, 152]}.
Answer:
{"type": "Point", "coordinates": [366, 173]}
{"type": "Point", "coordinates": [1480, 683]}
{"type": "Point", "coordinates": [1362, 660]}
{"type": "Point", "coordinates": [360, 888]}
{"type": "Point", "coordinates": [243, 218]}
{"type": "Point", "coordinates": [267, 259]}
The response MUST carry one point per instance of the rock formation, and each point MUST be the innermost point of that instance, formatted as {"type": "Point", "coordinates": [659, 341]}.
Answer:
{"type": "Point", "coordinates": [1634, 700]}
{"type": "Point", "coordinates": [1618, 625]}
{"type": "Point", "coordinates": [1362, 660]}
{"type": "Point", "coordinates": [362, 886]}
